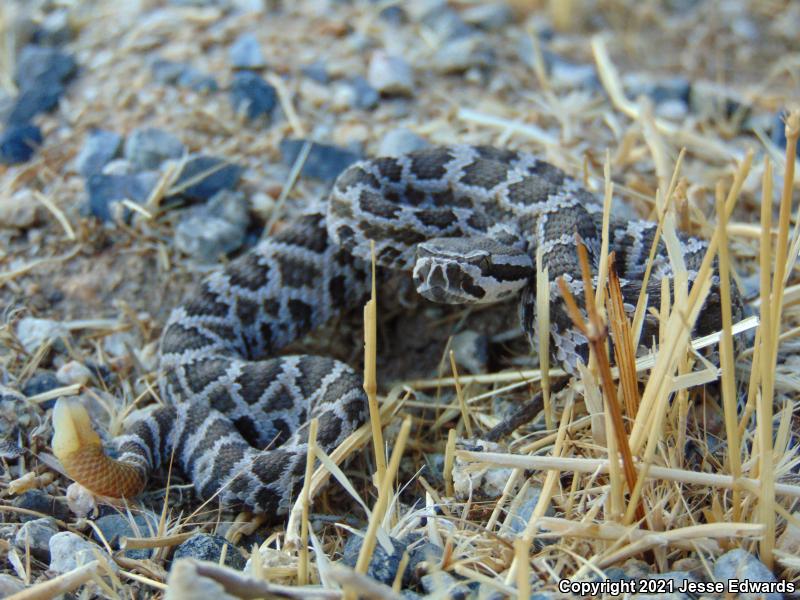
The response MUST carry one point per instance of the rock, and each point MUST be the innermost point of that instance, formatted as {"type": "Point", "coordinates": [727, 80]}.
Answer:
{"type": "Point", "coordinates": [521, 512]}
{"type": "Point", "coordinates": [10, 585]}
{"type": "Point", "coordinates": [73, 372]}
{"type": "Point", "coordinates": [491, 16]}
{"type": "Point", "coordinates": [38, 501]}
{"type": "Point", "coordinates": [36, 535]}
{"type": "Point", "coordinates": [56, 29]}
{"type": "Point", "coordinates": [166, 71]}
{"type": "Point", "coordinates": [252, 95]}
{"type": "Point", "coordinates": [107, 191]}
{"type": "Point", "coordinates": [426, 553]}
{"type": "Point", "coordinates": [18, 143]}
{"type": "Point", "coordinates": [393, 15]}
{"type": "Point", "coordinates": [390, 74]}
{"type": "Point", "coordinates": [20, 211]}
{"type": "Point", "coordinates": [470, 480]}
{"type": "Point", "coordinates": [741, 565]}
{"type": "Point", "coordinates": [39, 64]}
{"type": "Point", "coordinates": [463, 53]}
{"type": "Point", "coordinates": [661, 90]}
{"type": "Point", "coordinates": [147, 147]}
{"type": "Point", "coordinates": [316, 71]}
{"type": "Point", "coordinates": [365, 96]}
{"type": "Point", "coordinates": [209, 547]}
{"type": "Point", "coordinates": [40, 99]}
{"type": "Point", "coordinates": [471, 350]}
{"type": "Point", "coordinates": [42, 381]}
{"type": "Point", "coordinates": [116, 526]}
{"type": "Point", "coordinates": [209, 231]}
{"type": "Point", "coordinates": [119, 166]}
{"type": "Point", "coordinates": [674, 110]}
{"type": "Point", "coordinates": [199, 82]}
{"type": "Point", "coordinates": [323, 162]}
{"type": "Point", "coordinates": [203, 176]}
{"type": "Point", "coordinates": [99, 148]}
{"type": "Point", "coordinates": [69, 551]}
{"type": "Point", "coordinates": [185, 583]}
{"type": "Point", "coordinates": [445, 22]}
{"type": "Point", "coordinates": [571, 75]}
{"type": "Point", "coordinates": [245, 53]}
{"type": "Point", "coordinates": [444, 585]}
{"type": "Point", "coordinates": [33, 332]}
{"type": "Point", "coordinates": [382, 566]}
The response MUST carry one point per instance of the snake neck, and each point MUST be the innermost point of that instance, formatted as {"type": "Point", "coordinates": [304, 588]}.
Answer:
{"type": "Point", "coordinates": [94, 470]}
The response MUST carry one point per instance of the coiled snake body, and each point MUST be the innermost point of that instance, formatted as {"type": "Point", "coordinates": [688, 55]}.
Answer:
{"type": "Point", "coordinates": [466, 220]}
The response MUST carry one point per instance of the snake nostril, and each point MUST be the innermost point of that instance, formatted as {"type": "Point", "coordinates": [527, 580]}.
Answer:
{"type": "Point", "coordinates": [437, 278]}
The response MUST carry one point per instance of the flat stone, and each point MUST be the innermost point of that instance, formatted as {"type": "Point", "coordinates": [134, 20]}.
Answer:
{"type": "Point", "coordinates": [400, 141]}
{"type": "Point", "coordinates": [744, 567]}
{"type": "Point", "coordinates": [106, 191]}
{"type": "Point", "coordinates": [69, 551]}
{"type": "Point", "coordinates": [209, 547]}
{"type": "Point", "coordinates": [35, 535]}
{"type": "Point", "coordinates": [393, 15]}
{"type": "Point", "coordinates": [203, 176]}
{"type": "Point", "coordinates": [20, 211]}
{"type": "Point", "coordinates": [382, 566]}
{"type": "Point", "coordinates": [390, 74]}
{"type": "Point", "coordinates": [316, 71]}
{"type": "Point", "coordinates": [99, 148]}
{"type": "Point", "coordinates": [463, 53]}
{"type": "Point", "coordinates": [41, 382]}
{"type": "Point", "coordinates": [215, 229]}
{"type": "Point", "coordinates": [40, 502]}
{"type": "Point", "coordinates": [56, 29]}
{"type": "Point", "coordinates": [365, 96]}
{"type": "Point", "coordinates": [33, 332]}
{"type": "Point", "coordinates": [167, 71]}
{"type": "Point", "coordinates": [18, 143]}
{"type": "Point", "coordinates": [491, 16]}
{"type": "Point", "coordinates": [116, 526]}
{"type": "Point", "coordinates": [199, 82]}
{"type": "Point", "coordinates": [41, 98]}
{"type": "Point", "coordinates": [148, 147]}
{"type": "Point", "coordinates": [37, 64]}
{"type": "Point", "coordinates": [245, 53]}
{"type": "Point", "coordinates": [323, 162]}
{"type": "Point", "coordinates": [445, 22]}
{"type": "Point", "coordinates": [251, 94]}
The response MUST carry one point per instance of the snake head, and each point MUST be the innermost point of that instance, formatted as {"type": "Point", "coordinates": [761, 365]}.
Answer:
{"type": "Point", "coordinates": [470, 270]}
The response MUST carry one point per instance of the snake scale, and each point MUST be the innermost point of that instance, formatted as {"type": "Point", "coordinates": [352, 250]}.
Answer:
{"type": "Point", "coordinates": [465, 221]}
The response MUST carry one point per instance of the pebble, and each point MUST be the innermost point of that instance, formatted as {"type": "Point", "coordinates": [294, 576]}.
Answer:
{"type": "Point", "coordinates": [324, 161]}
{"type": "Point", "coordinates": [116, 526]}
{"type": "Point", "coordinates": [40, 64]}
{"type": "Point", "coordinates": [10, 585]}
{"type": "Point", "coordinates": [471, 351]}
{"type": "Point", "coordinates": [661, 90]}
{"type": "Point", "coordinates": [393, 15]}
{"type": "Point", "coordinates": [252, 95]}
{"type": "Point", "coordinates": [33, 332]}
{"type": "Point", "coordinates": [399, 141]}
{"type": "Point", "coordinates": [520, 513]}
{"type": "Point", "coordinates": [422, 553]}
{"type": "Point", "coordinates": [471, 480]}
{"type": "Point", "coordinates": [147, 147]}
{"type": "Point", "coordinates": [674, 110]}
{"type": "Point", "coordinates": [445, 22]}
{"type": "Point", "coordinates": [56, 29]}
{"type": "Point", "coordinates": [106, 191]}
{"type": "Point", "coordinates": [209, 547]}
{"type": "Point", "coordinates": [743, 566]}
{"type": "Point", "coordinates": [245, 53]}
{"type": "Point", "coordinates": [73, 372]}
{"type": "Point", "coordinates": [38, 501]}
{"type": "Point", "coordinates": [40, 99]}
{"type": "Point", "coordinates": [390, 74]}
{"type": "Point", "coordinates": [572, 75]}
{"type": "Point", "coordinates": [203, 176]}
{"type": "Point", "coordinates": [366, 96]}
{"type": "Point", "coordinates": [490, 16]}
{"type": "Point", "coordinates": [18, 143]}
{"type": "Point", "coordinates": [69, 551]}
{"type": "Point", "coordinates": [166, 71]}
{"type": "Point", "coordinates": [119, 166]}
{"type": "Point", "coordinates": [41, 382]}
{"type": "Point", "coordinates": [199, 82]}
{"type": "Point", "coordinates": [443, 585]}
{"type": "Point", "coordinates": [20, 211]}
{"type": "Point", "coordinates": [463, 53]}
{"type": "Point", "coordinates": [36, 535]}
{"type": "Point", "coordinates": [99, 148]}
{"type": "Point", "coordinates": [215, 229]}
{"type": "Point", "coordinates": [382, 566]}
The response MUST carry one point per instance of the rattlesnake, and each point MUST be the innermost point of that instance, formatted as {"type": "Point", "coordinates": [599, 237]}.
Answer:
{"type": "Point", "coordinates": [228, 400]}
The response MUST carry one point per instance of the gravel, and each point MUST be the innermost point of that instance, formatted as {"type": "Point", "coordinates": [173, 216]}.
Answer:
{"type": "Point", "coordinates": [390, 74]}
{"type": "Point", "coordinates": [245, 53]}
{"type": "Point", "coordinates": [209, 547]}
{"type": "Point", "coordinates": [253, 96]}
{"type": "Point", "coordinates": [101, 146]}
{"type": "Point", "coordinates": [69, 551]}
{"type": "Point", "coordinates": [203, 176]}
{"type": "Point", "coordinates": [18, 143]}
{"type": "Point", "coordinates": [323, 162]}
{"type": "Point", "coordinates": [105, 192]}
{"type": "Point", "coordinates": [148, 147]}
{"type": "Point", "coordinates": [36, 535]}
{"type": "Point", "coordinates": [215, 229]}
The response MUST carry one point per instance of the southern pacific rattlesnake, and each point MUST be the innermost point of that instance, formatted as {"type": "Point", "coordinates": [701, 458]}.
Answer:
{"type": "Point", "coordinates": [229, 400]}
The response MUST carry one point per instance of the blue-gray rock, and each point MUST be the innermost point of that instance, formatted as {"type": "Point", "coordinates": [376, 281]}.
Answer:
{"type": "Point", "coordinates": [572, 75]}
{"type": "Point", "coordinates": [490, 16]}
{"type": "Point", "coordinates": [424, 552]}
{"type": "Point", "coordinates": [69, 551]}
{"type": "Point", "coordinates": [518, 519]}
{"type": "Point", "coordinates": [382, 566]}
{"type": "Point", "coordinates": [446, 23]}
{"type": "Point", "coordinates": [148, 147]}
{"type": "Point", "coordinates": [316, 71]}
{"type": "Point", "coordinates": [18, 143]}
{"type": "Point", "coordinates": [400, 141]}
{"type": "Point", "coordinates": [323, 162]}
{"type": "Point", "coordinates": [105, 191]}
{"type": "Point", "coordinates": [41, 382]}
{"type": "Point", "coordinates": [203, 176]}
{"type": "Point", "coordinates": [35, 535]}
{"type": "Point", "coordinates": [393, 15]}
{"type": "Point", "coordinates": [390, 74]}
{"type": "Point", "coordinates": [252, 95]}
{"type": "Point", "coordinates": [10, 585]}
{"type": "Point", "coordinates": [38, 501]}
{"type": "Point", "coordinates": [462, 53]}
{"type": "Point", "coordinates": [209, 547]}
{"type": "Point", "coordinates": [116, 526]}
{"type": "Point", "coordinates": [245, 53]}
{"type": "Point", "coordinates": [166, 71]}
{"type": "Point", "coordinates": [196, 80]}
{"type": "Point", "coordinates": [741, 565]}
{"type": "Point", "coordinates": [215, 229]}
{"type": "Point", "coordinates": [99, 148]}
{"type": "Point", "coordinates": [454, 589]}
{"type": "Point", "coordinates": [56, 29]}
{"type": "Point", "coordinates": [39, 64]}
{"type": "Point", "coordinates": [659, 90]}
{"type": "Point", "coordinates": [367, 97]}
{"type": "Point", "coordinates": [41, 98]}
